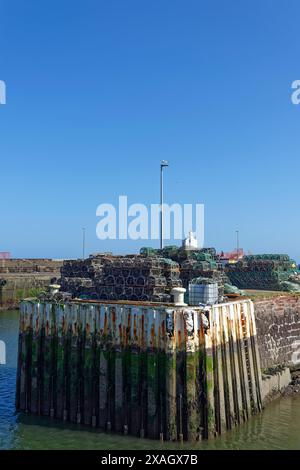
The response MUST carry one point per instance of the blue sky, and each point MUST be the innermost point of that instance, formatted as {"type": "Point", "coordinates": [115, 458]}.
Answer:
{"type": "Point", "coordinates": [98, 92]}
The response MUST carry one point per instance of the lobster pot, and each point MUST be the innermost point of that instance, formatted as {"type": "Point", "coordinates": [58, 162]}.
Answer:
{"type": "Point", "coordinates": [203, 294]}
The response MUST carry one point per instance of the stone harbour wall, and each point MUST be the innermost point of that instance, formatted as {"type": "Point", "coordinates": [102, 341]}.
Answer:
{"type": "Point", "coordinates": [278, 330]}
{"type": "Point", "coordinates": [29, 266]}
{"type": "Point", "coordinates": [18, 287]}
{"type": "Point", "coordinates": [21, 278]}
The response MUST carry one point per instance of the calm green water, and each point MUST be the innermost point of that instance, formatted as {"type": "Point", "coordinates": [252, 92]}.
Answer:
{"type": "Point", "coordinates": [278, 427]}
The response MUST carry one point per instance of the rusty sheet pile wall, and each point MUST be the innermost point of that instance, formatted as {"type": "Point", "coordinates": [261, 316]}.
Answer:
{"type": "Point", "coordinates": [152, 371]}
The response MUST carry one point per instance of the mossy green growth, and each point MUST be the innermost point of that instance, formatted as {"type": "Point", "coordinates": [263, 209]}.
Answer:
{"type": "Point", "coordinates": [209, 364]}
{"type": "Point", "coordinates": [32, 292]}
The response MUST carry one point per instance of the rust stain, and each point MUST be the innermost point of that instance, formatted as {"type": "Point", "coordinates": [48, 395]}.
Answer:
{"type": "Point", "coordinates": [163, 328]}
{"type": "Point", "coordinates": [152, 335]}
{"type": "Point", "coordinates": [134, 329]}
{"type": "Point", "coordinates": [143, 331]}
{"type": "Point", "coordinates": [64, 324]}
{"type": "Point", "coordinates": [179, 338]}
{"type": "Point", "coordinates": [113, 314]}
{"type": "Point", "coordinates": [47, 328]}
{"type": "Point", "coordinates": [185, 333]}
{"type": "Point", "coordinates": [105, 323]}
{"type": "Point", "coordinates": [37, 326]}
{"type": "Point", "coordinates": [129, 319]}
{"type": "Point", "coordinates": [124, 335]}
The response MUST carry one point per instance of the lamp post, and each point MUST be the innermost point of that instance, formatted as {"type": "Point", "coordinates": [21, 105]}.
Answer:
{"type": "Point", "coordinates": [83, 243]}
{"type": "Point", "coordinates": [237, 245]}
{"type": "Point", "coordinates": [164, 163]}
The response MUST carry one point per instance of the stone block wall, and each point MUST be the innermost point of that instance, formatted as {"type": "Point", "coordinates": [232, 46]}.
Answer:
{"type": "Point", "coordinates": [278, 330]}
{"type": "Point", "coordinates": [18, 287]}
{"type": "Point", "coordinates": [21, 278]}
{"type": "Point", "coordinates": [23, 266]}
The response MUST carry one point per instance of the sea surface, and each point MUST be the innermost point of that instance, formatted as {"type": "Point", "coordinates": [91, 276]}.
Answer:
{"type": "Point", "coordinates": [278, 427]}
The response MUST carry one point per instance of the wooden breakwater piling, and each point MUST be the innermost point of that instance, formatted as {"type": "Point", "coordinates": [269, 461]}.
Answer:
{"type": "Point", "coordinates": [149, 370]}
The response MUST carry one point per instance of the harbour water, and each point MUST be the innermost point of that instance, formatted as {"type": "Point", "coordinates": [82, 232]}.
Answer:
{"type": "Point", "coordinates": [278, 427]}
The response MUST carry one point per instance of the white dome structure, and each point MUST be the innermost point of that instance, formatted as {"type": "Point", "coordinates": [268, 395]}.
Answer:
{"type": "Point", "coordinates": [190, 243]}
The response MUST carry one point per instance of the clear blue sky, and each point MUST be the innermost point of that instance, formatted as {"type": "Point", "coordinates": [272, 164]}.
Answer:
{"type": "Point", "coordinates": [98, 92]}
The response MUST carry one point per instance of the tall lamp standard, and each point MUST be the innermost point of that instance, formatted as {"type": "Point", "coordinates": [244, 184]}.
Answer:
{"type": "Point", "coordinates": [237, 245]}
{"type": "Point", "coordinates": [83, 243]}
{"type": "Point", "coordinates": [164, 163]}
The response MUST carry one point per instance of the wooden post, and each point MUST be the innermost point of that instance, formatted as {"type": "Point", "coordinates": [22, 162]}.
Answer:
{"type": "Point", "coordinates": [152, 389]}
{"type": "Point", "coordinates": [171, 427]}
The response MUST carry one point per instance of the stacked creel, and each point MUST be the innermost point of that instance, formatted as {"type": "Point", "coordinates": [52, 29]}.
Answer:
{"type": "Point", "coordinates": [194, 263]}
{"type": "Point", "coordinates": [135, 278]}
{"type": "Point", "coordinates": [263, 272]}
{"type": "Point", "coordinates": [180, 254]}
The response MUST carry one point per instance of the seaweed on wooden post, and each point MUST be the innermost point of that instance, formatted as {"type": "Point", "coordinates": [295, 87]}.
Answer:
{"type": "Point", "coordinates": [35, 356]}
{"type": "Point", "coordinates": [209, 385]}
{"type": "Point", "coordinates": [171, 426]}
{"type": "Point", "coordinates": [23, 353]}
{"type": "Point", "coordinates": [226, 364]}
{"type": "Point", "coordinates": [245, 320]}
{"type": "Point", "coordinates": [193, 416]}
{"type": "Point", "coordinates": [152, 389]}
{"type": "Point", "coordinates": [242, 364]}
{"type": "Point", "coordinates": [88, 363]}
{"type": "Point", "coordinates": [73, 373]}
{"type": "Point", "coordinates": [162, 373]}
{"type": "Point", "coordinates": [236, 379]}
{"type": "Point", "coordinates": [103, 369]}
{"type": "Point", "coordinates": [135, 372]}
{"type": "Point", "coordinates": [256, 360]}
{"type": "Point", "coordinates": [180, 376]}
{"type": "Point", "coordinates": [28, 358]}
{"type": "Point", "coordinates": [119, 354]}
{"type": "Point", "coordinates": [61, 361]}
{"type": "Point", "coordinates": [143, 379]}
{"type": "Point", "coordinates": [111, 367]}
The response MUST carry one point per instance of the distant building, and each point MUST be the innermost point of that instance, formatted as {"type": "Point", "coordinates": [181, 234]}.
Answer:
{"type": "Point", "coordinates": [190, 243]}
{"type": "Point", "coordinates": [231, 256]}
{"type": "Point", "coordinates": [4, 255]}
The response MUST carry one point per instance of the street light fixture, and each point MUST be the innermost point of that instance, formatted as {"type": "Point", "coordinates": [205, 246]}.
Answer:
{"type": "Point", "coordinates": [237, 245]}
{"type": "Point", "coordinates": [83, 243]}
{"type": "Point", "coordinates": [164, 163]}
